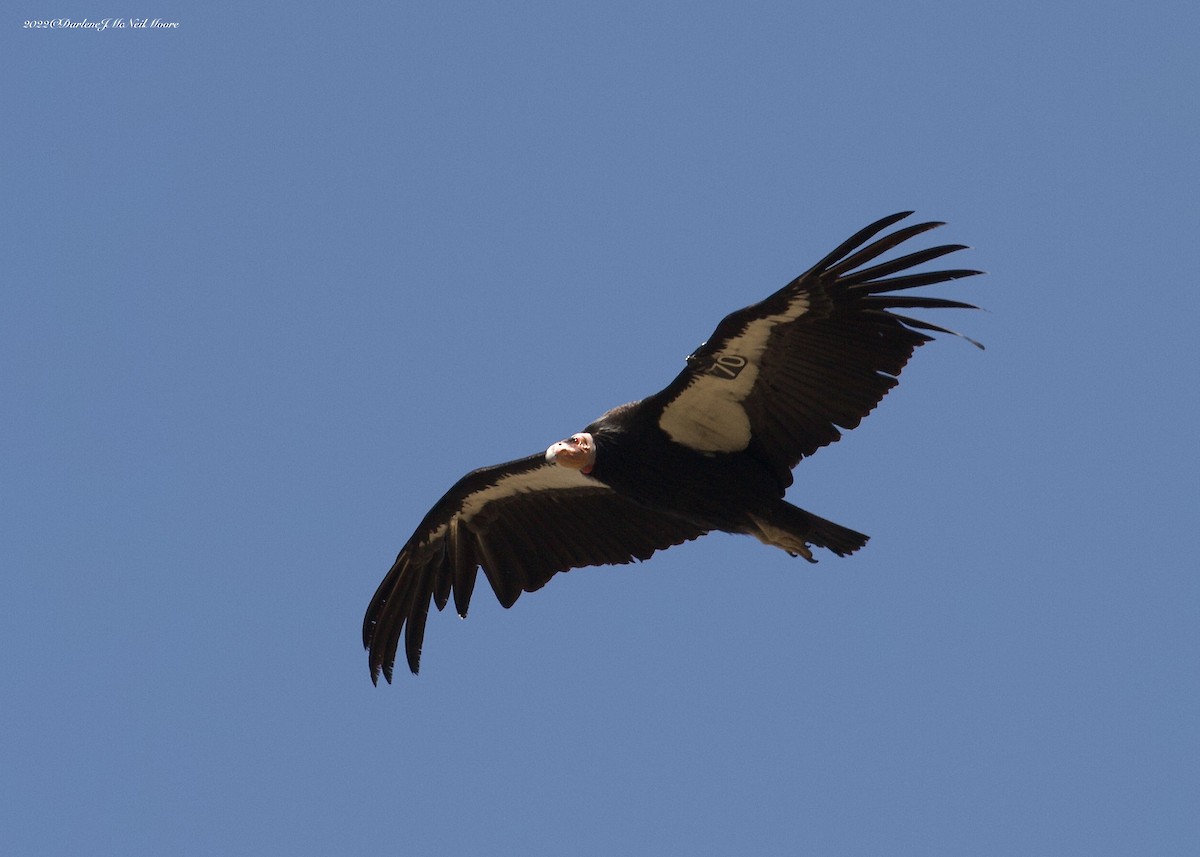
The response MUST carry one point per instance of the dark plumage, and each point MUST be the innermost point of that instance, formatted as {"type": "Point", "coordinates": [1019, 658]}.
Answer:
{"type": "Point", "coordinates": [714, 450]}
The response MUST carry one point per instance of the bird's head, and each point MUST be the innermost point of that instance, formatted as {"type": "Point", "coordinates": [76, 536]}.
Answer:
{"type": "Point", "coordinates": [577, 452]}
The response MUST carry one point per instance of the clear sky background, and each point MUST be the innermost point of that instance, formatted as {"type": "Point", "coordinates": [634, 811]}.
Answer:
{"type": "Point", "coordinates": [274, 280]}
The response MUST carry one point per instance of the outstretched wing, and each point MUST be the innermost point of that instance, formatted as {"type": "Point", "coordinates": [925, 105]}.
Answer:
{"type": "Point", "coordinates": [817, 356]}
{"type": "Point", "coordinates": [521, 522]}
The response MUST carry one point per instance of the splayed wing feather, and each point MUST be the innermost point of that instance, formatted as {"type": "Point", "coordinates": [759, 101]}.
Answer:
{"type": "Point", "coordinates": [901, 263]}
{"type": "Point", "coordinates": [862, 236]}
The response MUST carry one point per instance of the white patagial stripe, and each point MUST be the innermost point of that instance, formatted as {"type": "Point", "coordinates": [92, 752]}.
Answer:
{"type": "Point", "coordinates": [708, 415]}
{"type": "Point", "coordinates": [547, 477]}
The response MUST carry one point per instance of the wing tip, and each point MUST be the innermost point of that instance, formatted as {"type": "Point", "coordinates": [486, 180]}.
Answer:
{"type": "Point", "coordinates": [413, 657]}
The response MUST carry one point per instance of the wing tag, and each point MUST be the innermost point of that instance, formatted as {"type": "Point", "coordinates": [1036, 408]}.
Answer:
{"type": "Point", "coordinates": [727, 366]}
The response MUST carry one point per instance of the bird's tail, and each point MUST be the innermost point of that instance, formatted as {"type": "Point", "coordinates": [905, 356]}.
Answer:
{"type": "Point", "coordinates": [795, 530]}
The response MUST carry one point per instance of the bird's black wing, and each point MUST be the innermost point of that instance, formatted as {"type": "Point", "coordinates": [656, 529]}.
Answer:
{"type": "Point", "coordinates": [786, 374]}
{"type": "Point", "coordinates": [522, 522]}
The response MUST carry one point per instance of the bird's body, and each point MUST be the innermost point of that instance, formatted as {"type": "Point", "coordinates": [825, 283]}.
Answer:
{"type": "Point", "coordinates": [712, 490]}
{"type": "Point", "coordinates": [732, 492]}
{"type": "Point", "coordinates": [713, 451]}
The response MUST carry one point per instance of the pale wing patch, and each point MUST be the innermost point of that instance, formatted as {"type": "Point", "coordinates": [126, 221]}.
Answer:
{"type": "Point", "coordinates": [708, 415]}
{"type": "Point", "coordinates": [548, 477]}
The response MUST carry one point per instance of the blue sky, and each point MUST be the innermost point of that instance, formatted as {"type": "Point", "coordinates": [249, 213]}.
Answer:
{"type": "Point", "coordinates": [275, 279]}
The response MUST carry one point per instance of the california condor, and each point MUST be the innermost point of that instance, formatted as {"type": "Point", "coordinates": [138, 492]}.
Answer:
{"type": "Point", "coordinates": [714, 450]}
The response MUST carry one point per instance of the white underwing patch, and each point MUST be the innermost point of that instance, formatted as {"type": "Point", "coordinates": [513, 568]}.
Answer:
{"type": "Point", "coordinates": [708, 415]}
{"type": "Point", "coordinates": [548, 477]}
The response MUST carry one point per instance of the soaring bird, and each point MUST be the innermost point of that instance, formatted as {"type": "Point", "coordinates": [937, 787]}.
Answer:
{"type": "Point", "coordinates": [713, 450]}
